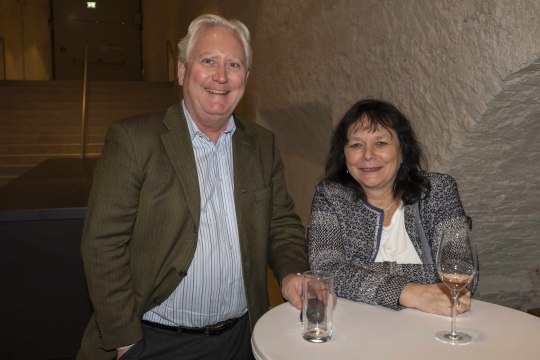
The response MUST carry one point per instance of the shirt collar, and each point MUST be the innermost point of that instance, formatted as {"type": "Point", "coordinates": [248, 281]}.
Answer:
{"type": "Point", "coordinates": [194, 130]}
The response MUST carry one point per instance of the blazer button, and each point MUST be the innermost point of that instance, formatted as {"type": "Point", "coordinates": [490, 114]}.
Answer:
{"type": "Point", "coordinates": [182, 273]}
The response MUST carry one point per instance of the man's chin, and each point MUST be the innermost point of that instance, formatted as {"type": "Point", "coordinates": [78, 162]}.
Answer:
{"type": "Point", "coordinates": [220, 110]}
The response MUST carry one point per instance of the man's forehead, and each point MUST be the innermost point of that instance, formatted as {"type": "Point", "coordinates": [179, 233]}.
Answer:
{"type": "Point", "coordinates": [215, 35]}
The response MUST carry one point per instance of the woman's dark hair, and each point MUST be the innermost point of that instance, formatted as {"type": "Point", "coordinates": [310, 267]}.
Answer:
{"type": "Point", "coordinates": [410, 183]}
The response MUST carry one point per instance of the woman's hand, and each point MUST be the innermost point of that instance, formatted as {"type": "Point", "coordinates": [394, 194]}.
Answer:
{"type": "Point", "coordinates": [433, 298]}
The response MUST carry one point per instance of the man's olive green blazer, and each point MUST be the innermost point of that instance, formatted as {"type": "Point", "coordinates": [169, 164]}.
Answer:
{"type": "Point", "coordinates": [142, 222]}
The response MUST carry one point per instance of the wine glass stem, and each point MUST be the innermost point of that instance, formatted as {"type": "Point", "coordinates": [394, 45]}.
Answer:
{"type": "Point", "coordinates": [454, 312]}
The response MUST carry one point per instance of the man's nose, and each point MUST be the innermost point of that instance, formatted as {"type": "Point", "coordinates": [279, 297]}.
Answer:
{"type": "Point", "coordinates": [221, 75]}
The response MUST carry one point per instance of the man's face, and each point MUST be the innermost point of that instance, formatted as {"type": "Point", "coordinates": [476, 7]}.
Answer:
{"type": "Point", "coordinates": [214, 77]}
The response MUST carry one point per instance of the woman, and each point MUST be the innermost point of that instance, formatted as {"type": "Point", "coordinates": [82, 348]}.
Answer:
{"type": "Point", "coordinates": [375, 208]}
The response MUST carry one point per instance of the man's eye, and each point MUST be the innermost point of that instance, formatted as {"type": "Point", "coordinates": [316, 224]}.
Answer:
{"type": "Point", "coordinates": [234, 65]}
{"type": "Point", "coordinates": [207, 61]}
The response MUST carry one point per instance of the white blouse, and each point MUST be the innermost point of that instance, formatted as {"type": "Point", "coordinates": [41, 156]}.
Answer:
{"type": "Point", "coordinates": [396, 246]}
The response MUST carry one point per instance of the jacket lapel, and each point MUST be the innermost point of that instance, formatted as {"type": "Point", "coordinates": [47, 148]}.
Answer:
{"type": "Point", "coordinates": [243, 154]}
{"type": "Point", "coordinates": [409, 213]}
{"type": "Point", "coordinates": [179, 149]}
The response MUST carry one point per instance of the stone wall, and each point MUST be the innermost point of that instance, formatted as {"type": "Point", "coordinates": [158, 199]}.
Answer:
{"type": "Point", "coordinates": [498, 162]}
{"type": "Point", "coordinates": [466, 74]}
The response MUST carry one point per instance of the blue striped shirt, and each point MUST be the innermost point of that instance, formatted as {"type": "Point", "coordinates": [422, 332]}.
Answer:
{"type": "Point", "coordinates": [213, 289]}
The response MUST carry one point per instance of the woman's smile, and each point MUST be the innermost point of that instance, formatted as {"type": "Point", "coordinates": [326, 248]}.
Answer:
{"type": "Point", "coordinates": [373, 156]}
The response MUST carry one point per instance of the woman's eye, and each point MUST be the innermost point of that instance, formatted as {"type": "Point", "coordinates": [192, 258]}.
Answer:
{"type": "Point", "coordinates": [355, 145]}
{"type": "Point", "coordinates": [382, 143]}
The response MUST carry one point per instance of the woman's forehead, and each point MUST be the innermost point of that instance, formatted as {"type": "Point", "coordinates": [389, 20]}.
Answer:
{"type": "Point", "coordinates": [365, 124]}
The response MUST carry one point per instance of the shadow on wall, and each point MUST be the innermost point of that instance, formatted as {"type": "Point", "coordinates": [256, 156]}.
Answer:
{"type": "Point", "coordinates": [303, 134]}
{"type": "Point", "coordinates": [498, 171]}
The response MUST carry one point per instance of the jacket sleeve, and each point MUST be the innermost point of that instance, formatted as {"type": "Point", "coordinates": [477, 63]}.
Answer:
{"type": "Point", "coordinates": [109, 221]}
{"type": "Point", "coordinates": [443, 210]}
{"type": "Point", "coordinates": [287, 244]}
{"type": "Point", "coordinates": [354, 279]}
{"type": "Point", "coordinates": [357, 277]}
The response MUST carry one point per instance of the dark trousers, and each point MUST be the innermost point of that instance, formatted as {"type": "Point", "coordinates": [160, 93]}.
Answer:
{"type": "Point", "coordinates": [234, 344]}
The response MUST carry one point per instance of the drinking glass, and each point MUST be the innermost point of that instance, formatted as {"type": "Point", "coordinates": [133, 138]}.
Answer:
{"type": "Point", "coordinates": [317, 305]}
{"type": "Point", "coordinates": [456, 265]}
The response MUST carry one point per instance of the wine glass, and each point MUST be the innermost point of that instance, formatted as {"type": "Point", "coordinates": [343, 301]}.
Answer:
{"type": "Point", "coordinates": [456, 265]}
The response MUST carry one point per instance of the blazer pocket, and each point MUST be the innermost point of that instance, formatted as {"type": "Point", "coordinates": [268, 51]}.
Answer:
{"type": "Point", "coordinates": [263, 194]}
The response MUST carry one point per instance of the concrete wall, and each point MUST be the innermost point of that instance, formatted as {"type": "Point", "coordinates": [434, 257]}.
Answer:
{"type": "Point", "coordinates": [465, 72]}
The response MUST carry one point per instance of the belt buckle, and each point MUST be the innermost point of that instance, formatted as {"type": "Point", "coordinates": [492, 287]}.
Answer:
{"type": "Point", "coordinates": [217, 329]}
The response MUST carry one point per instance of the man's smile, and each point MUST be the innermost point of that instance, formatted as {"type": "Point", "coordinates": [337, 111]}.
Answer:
{"type": "Point", "coordinates": [217, 92]}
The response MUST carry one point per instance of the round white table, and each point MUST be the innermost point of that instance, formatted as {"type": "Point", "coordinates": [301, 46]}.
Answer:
{"type": "Point", "coordinates": [371, 332]}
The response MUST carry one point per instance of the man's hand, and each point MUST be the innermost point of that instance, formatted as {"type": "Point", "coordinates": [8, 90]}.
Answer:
{"type": "Point", "coordinates": [291, 289]}
{"type": "Point", "coordinates": [120, 352]}
{"type": "Point", "coordinates": [433, 298]}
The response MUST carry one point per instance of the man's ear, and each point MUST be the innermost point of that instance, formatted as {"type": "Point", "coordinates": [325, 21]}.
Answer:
{"type": "Point", "coordinates": [181, 72]}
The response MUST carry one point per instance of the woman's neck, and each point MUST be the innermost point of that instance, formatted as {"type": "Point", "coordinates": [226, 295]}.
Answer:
{"type": "Point", "coordinates": [382, 199]}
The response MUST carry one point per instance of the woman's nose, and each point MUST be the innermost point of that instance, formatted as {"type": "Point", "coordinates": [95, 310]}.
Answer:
{"type": "Point", "coordinates": [369, 153]}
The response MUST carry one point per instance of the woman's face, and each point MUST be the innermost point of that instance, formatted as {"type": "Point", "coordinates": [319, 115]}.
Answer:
{"type": "Point", "coordinates": [373, 157]}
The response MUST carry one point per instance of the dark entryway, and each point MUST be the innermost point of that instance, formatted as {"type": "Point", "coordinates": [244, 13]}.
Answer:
{"type": "Point", "coordinates": [112, 30]}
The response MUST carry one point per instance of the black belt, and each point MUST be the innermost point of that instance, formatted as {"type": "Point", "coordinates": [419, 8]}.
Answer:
{"type": "Point", "coordinates": [210, 330]}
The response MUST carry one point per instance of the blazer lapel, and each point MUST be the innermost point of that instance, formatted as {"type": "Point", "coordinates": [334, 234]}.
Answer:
{"type": "Point", "coordinates": [243, 148]}
{"type": "Point", "coordinates": [179, 149]}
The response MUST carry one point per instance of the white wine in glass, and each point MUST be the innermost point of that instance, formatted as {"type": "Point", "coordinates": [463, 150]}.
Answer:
{"type": "Point", "coordinates": [456, 265]}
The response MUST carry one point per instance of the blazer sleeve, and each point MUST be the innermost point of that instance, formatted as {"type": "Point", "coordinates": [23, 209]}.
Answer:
{"type": "Point", "coordinates": [109, 221]}
{"type": "Point", "coordinates": [357, 277]}
{"type": "Point", "coordinates": [443, 210]}
{"type": "Point", "coordinates": [287, 244]}
{"type": "Point", "coordinates": [360, 280]}
{"type": "Point", "coordinates": [363, 280]}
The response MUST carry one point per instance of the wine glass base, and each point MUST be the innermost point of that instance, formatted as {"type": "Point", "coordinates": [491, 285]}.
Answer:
{"type": "Point", "coordinates": [459, 338]}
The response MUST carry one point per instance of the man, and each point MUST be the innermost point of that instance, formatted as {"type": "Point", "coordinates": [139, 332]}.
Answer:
{"type": "Point", "coordinates": [187, 207]}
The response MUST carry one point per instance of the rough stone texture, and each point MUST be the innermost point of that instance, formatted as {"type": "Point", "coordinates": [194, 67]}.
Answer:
{"type": "Point", "coordinates": [498, 162]}
{"type": "Point", "coordinates": [456, 68]}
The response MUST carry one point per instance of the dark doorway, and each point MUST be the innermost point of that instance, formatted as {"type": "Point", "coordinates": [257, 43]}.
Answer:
{"type": "Point", "coordinates": [112, 30]}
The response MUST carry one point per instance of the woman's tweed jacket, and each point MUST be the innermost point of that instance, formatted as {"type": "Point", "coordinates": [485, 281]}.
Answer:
{"type": "Point", "coordinates": [344, 237]}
